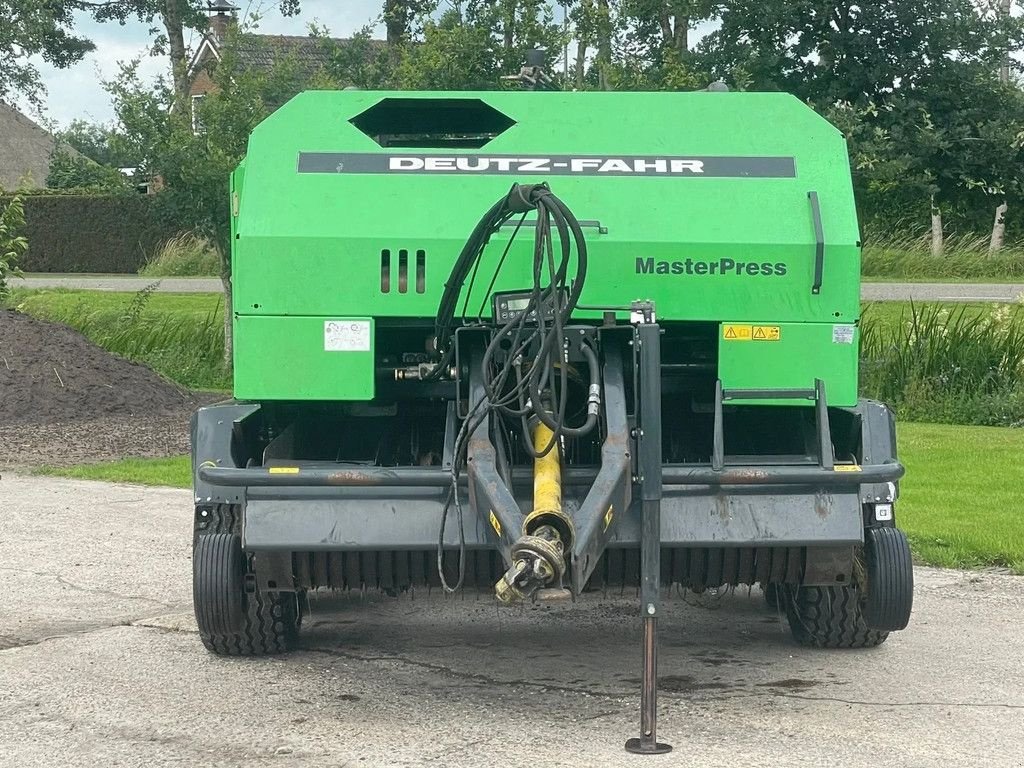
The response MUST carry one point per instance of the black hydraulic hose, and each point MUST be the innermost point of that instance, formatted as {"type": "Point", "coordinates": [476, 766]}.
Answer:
{"type": "Point", "coordinates": [593, 400]}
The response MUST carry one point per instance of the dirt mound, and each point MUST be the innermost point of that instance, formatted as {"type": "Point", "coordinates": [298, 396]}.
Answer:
{"type": "Point", "coordinates": [50, 374]}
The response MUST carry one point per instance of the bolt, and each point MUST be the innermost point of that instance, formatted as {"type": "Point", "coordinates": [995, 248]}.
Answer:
{"type": "Point", "coordinates": [650, 609]}
{"type": "Point", "coordinates": [204, 513]}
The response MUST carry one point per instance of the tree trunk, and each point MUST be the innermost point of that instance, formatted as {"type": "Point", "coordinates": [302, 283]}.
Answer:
{"type": "Point", "coordinates": [229, 339]}
{"type": "Point", "coordinates": [680, 36]}
{"type": "Point", "coordinates": [584, 27]}
{"type": "Point", "coordinates": [509, 38]}
{"type": "Point", "coordinates": [395, 21]}
{"type": "Point", "coordinates": [173, 24]}
{"type": "Point", "coordinates": [604, 45]}
{"type": "Point", "coordinates": [938, 244]}
{"type": "Point", "coordinates": [1004, 70]}
{"type": "Point", "coordinates": [998, 229]}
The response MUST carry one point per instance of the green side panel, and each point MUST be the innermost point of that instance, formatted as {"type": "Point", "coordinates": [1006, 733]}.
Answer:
{"type": "Point", "coordinates": [304, 358]}
{"type": "Point", "coordinates": [311, 243]}
{"type": "Point", "coordinates": [702, 247]}
{"type": "Point", "coordinates": [803, 352]}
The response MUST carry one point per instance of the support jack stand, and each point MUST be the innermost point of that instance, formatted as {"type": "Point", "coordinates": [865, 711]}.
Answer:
{"type": "Point", "coordinates": [647, 743]}
{"type": "Point", "coordinates": [648, 354]}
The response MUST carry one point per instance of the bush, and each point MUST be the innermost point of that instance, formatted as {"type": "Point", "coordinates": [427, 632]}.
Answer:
{"type": "Point", "coordinates": [13, 243]}
{"type": "Point", "coordinates": [90, 233]}
{"type": "Point", "coordinates": [947, 366]}
{"type": "Point", "coordinates": [185, 255]}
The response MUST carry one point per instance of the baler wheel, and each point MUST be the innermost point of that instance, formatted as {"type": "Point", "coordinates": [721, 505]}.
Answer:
{"type": "Point", "coordinates": [233, 621]}
{"type": "Point", "coordinates": [829, 617]}
{"type": "Point", "coordinates": [774, 595]}
{"type": "Point", "coordinates": [890, 579]}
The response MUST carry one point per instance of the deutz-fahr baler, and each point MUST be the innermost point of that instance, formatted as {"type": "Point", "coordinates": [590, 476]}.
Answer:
{"type": "Point", "coordinates": [535, 344]}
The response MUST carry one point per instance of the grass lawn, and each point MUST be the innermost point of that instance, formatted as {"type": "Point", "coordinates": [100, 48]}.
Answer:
{"type": "Point", "coordinates": [43, 302]}
{"type": "Point", "coordinates": [175, 471]}
{"type": "Point", "coordinates": [962, 502]}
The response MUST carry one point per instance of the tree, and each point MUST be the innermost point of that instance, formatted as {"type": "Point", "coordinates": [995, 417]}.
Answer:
{"type": "Point", "coordinates": [916, 71]}
{"type": "Point", "coordinates": [100, 143]}
{"type": "Point", "coordinates": [195, 168]}
{"type": "Point", "coordinates": [31, 28]}
{"type": "Point", "coordinates": [70, 170]}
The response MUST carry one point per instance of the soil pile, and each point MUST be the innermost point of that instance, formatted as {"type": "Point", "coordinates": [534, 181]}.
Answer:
{"type": "Point", "coordinates": [52, 374]}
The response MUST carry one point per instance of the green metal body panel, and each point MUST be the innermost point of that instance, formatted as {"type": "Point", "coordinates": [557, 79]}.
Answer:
{"type": "Point", "coordinates": [308, 245]}
{"type": "Point", "coordinates": [809, 348]}
{"type": "Point", "coordinates": [294, 358]}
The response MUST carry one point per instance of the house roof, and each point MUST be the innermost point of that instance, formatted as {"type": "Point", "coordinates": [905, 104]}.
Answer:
{"type": "Point", "coordinates": [261, 51]}
{"type": "Point", "coordinates": [25, 150]}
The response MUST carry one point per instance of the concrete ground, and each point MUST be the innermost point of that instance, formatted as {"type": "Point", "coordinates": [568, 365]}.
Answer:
{"type": "Point", "coordinates": [100, 666]}
{"type": "Point", "coordinates": [869, 291]}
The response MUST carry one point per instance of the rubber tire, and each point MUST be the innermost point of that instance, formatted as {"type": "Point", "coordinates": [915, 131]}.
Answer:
{"type": "Point", "coordinates": [829, 617]}
{"type": "Point", "coordinates": [217, 591]}
{"type": "Point", "coordinates": [270, 625]}
{"type": "Point", "coordinates": [267, 622]}
{"type": "Point", "coordinates": [774, 595]}
{"type": "Point", "coordinates": [890, 579]}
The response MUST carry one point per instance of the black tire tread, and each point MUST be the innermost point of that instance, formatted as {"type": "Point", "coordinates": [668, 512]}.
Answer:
{"type": "Point", "coordinates": [830, 617]}
{"type": "Point", "coordinates": [217, 582]}
{"type": "Point", "coordinates": [269, 621]}
{"type": "Point", "coordinates": [774, 595]}
{"type": "Point", "coordinates": [890, 579]}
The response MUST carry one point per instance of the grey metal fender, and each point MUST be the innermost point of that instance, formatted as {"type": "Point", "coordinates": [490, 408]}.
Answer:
{"type": "Point", "coordinates": [218, 440]}
{"type": "Point", "coordinates": [878, 446]}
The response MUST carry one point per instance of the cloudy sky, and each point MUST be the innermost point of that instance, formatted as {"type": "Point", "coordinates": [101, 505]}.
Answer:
{"type": "Point", "coordinates": [77, 92]}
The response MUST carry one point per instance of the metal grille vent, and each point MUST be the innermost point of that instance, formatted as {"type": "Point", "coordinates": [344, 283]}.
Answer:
{"type": "Point", "coordinates": [401, 280]}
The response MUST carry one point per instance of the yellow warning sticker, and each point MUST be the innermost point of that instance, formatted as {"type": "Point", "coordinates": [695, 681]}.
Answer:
{"type": "Point", "coordinates": [494, 523]}
{"type": "Point", "coordinates": [847, 468]}
{"type": "Point", "coordinates": [283, 470]}
{"type": "Point", "coordinates": [608, 516]}
{"type": "Point", "coordinates": [731, 332]}
{"type": "Point", "coordinates": [766, 333]}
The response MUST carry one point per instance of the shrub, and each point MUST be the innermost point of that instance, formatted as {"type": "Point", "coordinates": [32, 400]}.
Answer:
{"type": "Point", "coordinates": [185, 255]}
{"type": "Point", "coordinates": [13, 243]}
{"type": "Point", "coordinates": [965, 257]}
{"type": "Point", "coordinates": [89, 232]}
{"type": "Point", "coordinates": [947, 366]}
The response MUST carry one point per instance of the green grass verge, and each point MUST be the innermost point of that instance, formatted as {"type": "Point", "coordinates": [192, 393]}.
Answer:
{"type": "Point", "coordinates": [175, 471]}
{"type": "Point", "coordinates": [964, 261]}
{"type": "Point", "coordinates": [52, 301]}
{"type": "Point", "coordinates": [960, 505]}
{"type": "Point", "coordinates": [178, 335]}
{"type": "Point", "coordinates": [961, 501]}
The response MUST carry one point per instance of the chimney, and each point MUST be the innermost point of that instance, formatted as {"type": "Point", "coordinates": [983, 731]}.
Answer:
{"type": "Point", "coordinates": [222, 14]}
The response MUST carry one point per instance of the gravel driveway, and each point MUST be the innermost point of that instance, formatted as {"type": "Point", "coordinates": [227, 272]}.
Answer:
{"type": "Point", "coordinates": [101, 667]}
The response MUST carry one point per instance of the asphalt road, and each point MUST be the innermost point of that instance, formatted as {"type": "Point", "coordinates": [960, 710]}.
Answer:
{"type": "Point", "coordinates": [869, 291]}
{"type": "Point", "coordinates": [100, 666]}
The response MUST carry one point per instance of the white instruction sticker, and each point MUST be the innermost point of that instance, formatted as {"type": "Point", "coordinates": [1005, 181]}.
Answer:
{"type": "Point", "coordinates": [346, 335]}
{"type": "Point", "coordinates": [842, 334]}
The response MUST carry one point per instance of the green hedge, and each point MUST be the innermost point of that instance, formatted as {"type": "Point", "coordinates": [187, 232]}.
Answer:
{"type": "Point", "coordinates": [90, 233]}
